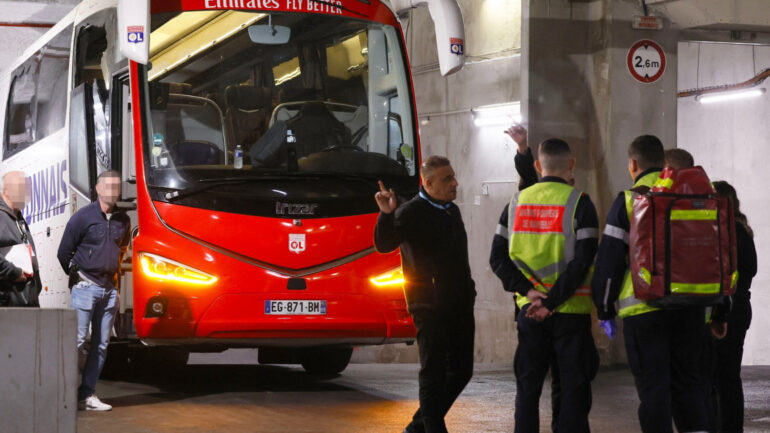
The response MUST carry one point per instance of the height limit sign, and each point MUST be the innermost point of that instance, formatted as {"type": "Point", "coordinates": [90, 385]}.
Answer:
{"type": "Point", "coordinates": [646, 61]}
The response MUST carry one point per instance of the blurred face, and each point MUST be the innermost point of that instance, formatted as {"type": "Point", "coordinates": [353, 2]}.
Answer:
{"type": "Point", "coordinates": [15, 190]}
{"type": "Point", "coordinates": [442, 185]}
{"type": "Point", "coordinates": [108, 190]}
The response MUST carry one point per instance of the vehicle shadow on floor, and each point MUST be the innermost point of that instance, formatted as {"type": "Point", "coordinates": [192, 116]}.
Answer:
{"type": "Point", "coordinates": [191, 381]}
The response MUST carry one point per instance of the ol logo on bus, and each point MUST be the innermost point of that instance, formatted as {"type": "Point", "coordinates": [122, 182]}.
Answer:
{"type": "Point", "coordinates": [297, 243]}
{"type": "Point", "coordinates": [456, 45]}
{"type": "Point", "coordinates": [135, 34]}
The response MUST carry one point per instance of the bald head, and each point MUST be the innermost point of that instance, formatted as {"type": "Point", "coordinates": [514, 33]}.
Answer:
{"type": "Point", "coordinates": [14, 189]}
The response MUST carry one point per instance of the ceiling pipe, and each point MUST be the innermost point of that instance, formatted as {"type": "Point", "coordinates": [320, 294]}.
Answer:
{"type": "Point", "coordinates": [752, 82]}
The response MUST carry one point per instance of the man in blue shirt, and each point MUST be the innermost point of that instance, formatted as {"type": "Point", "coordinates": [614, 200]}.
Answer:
{"type": "Point", "coordinates": [91, 249]}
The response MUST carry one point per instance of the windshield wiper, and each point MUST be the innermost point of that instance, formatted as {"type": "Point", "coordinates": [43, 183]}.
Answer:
{"type": "Point", "coordinates": [206, 184]}
{"type": "Point", "coordinates": [334, 5]}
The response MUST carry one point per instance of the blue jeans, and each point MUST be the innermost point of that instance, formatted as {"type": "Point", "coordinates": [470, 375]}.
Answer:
{"type": "Point", "coordinates": [96, 306]}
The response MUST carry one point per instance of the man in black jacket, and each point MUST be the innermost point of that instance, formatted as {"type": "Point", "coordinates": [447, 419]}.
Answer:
{"type": "Point", "coordinates": [439, 290]}
{"type": "Point", "coordinates": [91, 249]}
{"type": "Point", "coordinates": [18, 288]}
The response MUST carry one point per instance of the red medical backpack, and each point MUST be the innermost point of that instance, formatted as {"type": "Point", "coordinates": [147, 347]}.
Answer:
{"type": "Point", "coordinates": [682, 241]}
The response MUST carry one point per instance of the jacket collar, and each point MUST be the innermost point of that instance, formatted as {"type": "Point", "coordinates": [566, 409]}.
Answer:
{"type": "Point", "coordinates": [646, 172]}
{"type": "Point", "coordinates": [7, 209]}
{"type": "Point", "coordinates": [432, 201]}
{"type": "Point", "coordinates": [553, 179]}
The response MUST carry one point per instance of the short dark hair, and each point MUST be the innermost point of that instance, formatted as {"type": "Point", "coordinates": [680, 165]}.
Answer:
{"type": "Point", "coordinates": [725, 189]}
{"type": "Point", "coordinates": [679, 159]}
{"type": "Point", "coordinates": [433, 163]}
{"type": "Point", "coordinates": [647, 151]}
{"type": "Point", "coordinates": [554, 154]}
{"type": "Point", "coordinates": [106, 174]}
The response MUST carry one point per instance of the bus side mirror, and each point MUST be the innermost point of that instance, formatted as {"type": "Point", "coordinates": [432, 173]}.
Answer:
{"type": "Point", "coordinates": [134, 29]}
{"type": "Point", "coordinates": [450, 32]}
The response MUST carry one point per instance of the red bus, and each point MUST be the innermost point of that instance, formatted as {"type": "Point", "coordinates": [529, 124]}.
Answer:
{"type": "Point", "coordinates": [260, 130]}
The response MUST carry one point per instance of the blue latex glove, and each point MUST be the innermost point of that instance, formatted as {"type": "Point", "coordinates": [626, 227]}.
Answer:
{"type": "Point", "coordinates": [609, 327]}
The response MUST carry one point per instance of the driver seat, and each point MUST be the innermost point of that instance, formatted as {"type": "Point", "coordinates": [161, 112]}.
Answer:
{"type": "Point", "coordinates": [315, 128]}
{"type": "Point", "coordinates": [248, 109]}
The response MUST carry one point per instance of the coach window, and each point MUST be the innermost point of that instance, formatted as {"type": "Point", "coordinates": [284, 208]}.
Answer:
{"type": "Point", "coordinates": [52, 84]}
{"type": "Point", "coordinates": [38, 96]}
{"type": "Point", "coordinates": [20, 117]}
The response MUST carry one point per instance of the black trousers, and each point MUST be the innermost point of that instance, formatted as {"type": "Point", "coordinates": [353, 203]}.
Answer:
{"type": "Point", "coordinates": [445, 341]}
{"type": "Point", "coordinates": [555, 395]}
{"type": "Point", "coordinates": [727, 372]}
{"type": "Point", "coordinates": [568, 339]}
{"type": "Point", "coordinates": [664, 353]}
{"type": "Point", "coordinates": [555, 385]}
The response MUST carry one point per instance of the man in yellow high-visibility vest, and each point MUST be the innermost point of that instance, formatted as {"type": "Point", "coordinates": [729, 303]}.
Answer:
{"type": "Point", "coordinates": [663, 346]}
{"type": "Point", "coordinates": [554, 238]}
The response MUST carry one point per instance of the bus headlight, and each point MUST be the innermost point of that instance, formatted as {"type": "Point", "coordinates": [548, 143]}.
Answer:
{"type": "Point", "coordinates": [165, 269]}
{"type": "Point", "coordinates": [391, 278]}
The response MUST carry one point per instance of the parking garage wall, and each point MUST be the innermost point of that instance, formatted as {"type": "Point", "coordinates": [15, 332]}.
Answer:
{"type": "Point", "coordinates": [731, 140]}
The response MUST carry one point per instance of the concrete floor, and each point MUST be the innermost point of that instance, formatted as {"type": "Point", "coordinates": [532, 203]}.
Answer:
{"type": "Point", "coordinates": [366, 398]}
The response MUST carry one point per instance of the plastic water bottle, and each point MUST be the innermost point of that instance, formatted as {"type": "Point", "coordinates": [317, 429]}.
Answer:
{"type": "Point", "coordinates": [238, 159]}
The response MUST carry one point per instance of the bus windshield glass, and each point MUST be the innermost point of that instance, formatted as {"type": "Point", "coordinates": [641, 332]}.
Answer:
{"type": "Point", "coordinates": [235, 96]}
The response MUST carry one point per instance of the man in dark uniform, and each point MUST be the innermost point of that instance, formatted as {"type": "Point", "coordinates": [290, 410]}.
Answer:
{"type": "Point", "coordinates": [663, 346]}
{"type": "Point", "coordinates": [499, 259]}
{"type": "Point", "coordinates": [554, 232]}
{"type": "Point", "coordinates": [439, 290]}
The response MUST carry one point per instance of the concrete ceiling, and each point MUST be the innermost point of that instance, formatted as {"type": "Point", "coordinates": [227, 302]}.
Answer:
{"type": "Point", "coordinates": [736, 15]}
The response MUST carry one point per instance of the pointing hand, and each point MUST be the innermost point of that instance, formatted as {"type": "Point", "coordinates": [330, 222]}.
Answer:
{"type": "Point", "coordinates": [386, 199]}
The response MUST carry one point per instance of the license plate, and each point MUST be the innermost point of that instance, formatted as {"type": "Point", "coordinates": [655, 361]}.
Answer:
{"type": "Point", "coordinates": [295, 308]}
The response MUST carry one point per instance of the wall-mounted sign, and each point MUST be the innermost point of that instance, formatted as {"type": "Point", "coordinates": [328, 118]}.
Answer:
{"type": "Point", "coordinates": [646, 61]}
{"type": "Point", "coordinates": [642, 22]}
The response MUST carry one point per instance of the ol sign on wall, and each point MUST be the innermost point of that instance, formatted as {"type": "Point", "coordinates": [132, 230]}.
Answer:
{"type": "Point", "coordinates": [646, 61]}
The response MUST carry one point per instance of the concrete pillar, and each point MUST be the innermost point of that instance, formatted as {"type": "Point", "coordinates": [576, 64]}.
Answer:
{"type": "Point", "coordinates": [491, 76]}
{"type": "Point", "coordinates": [576, 86]}
{"type": "Point", "coordinates": [38, 360]}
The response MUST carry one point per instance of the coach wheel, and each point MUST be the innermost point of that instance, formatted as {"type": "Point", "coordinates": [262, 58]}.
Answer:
{"type": "Point", "coordinates": [326, 360]}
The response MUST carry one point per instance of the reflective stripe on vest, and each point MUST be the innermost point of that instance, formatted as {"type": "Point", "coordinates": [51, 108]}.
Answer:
{"type": "Point", "coordinates": [542, 242]}
{"type": "Point", "coordinates": [628, 304]}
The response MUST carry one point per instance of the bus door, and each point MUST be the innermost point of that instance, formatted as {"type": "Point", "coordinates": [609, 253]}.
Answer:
{"type": "Point", "coordinates": [101, 136]}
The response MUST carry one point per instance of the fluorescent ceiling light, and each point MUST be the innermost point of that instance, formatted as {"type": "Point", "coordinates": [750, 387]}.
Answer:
{"type": "Point", "coordinates": [497, 115]}
{"type": "Point", "coordinates": [728, 96]}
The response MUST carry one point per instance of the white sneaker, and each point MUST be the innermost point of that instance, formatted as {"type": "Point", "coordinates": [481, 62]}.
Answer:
{"type": "Point", "coordinates": [93, 403]}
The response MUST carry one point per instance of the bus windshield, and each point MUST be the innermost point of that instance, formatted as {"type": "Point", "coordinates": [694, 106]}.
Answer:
{"type": "Point", "coordinates": [239, 95]}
